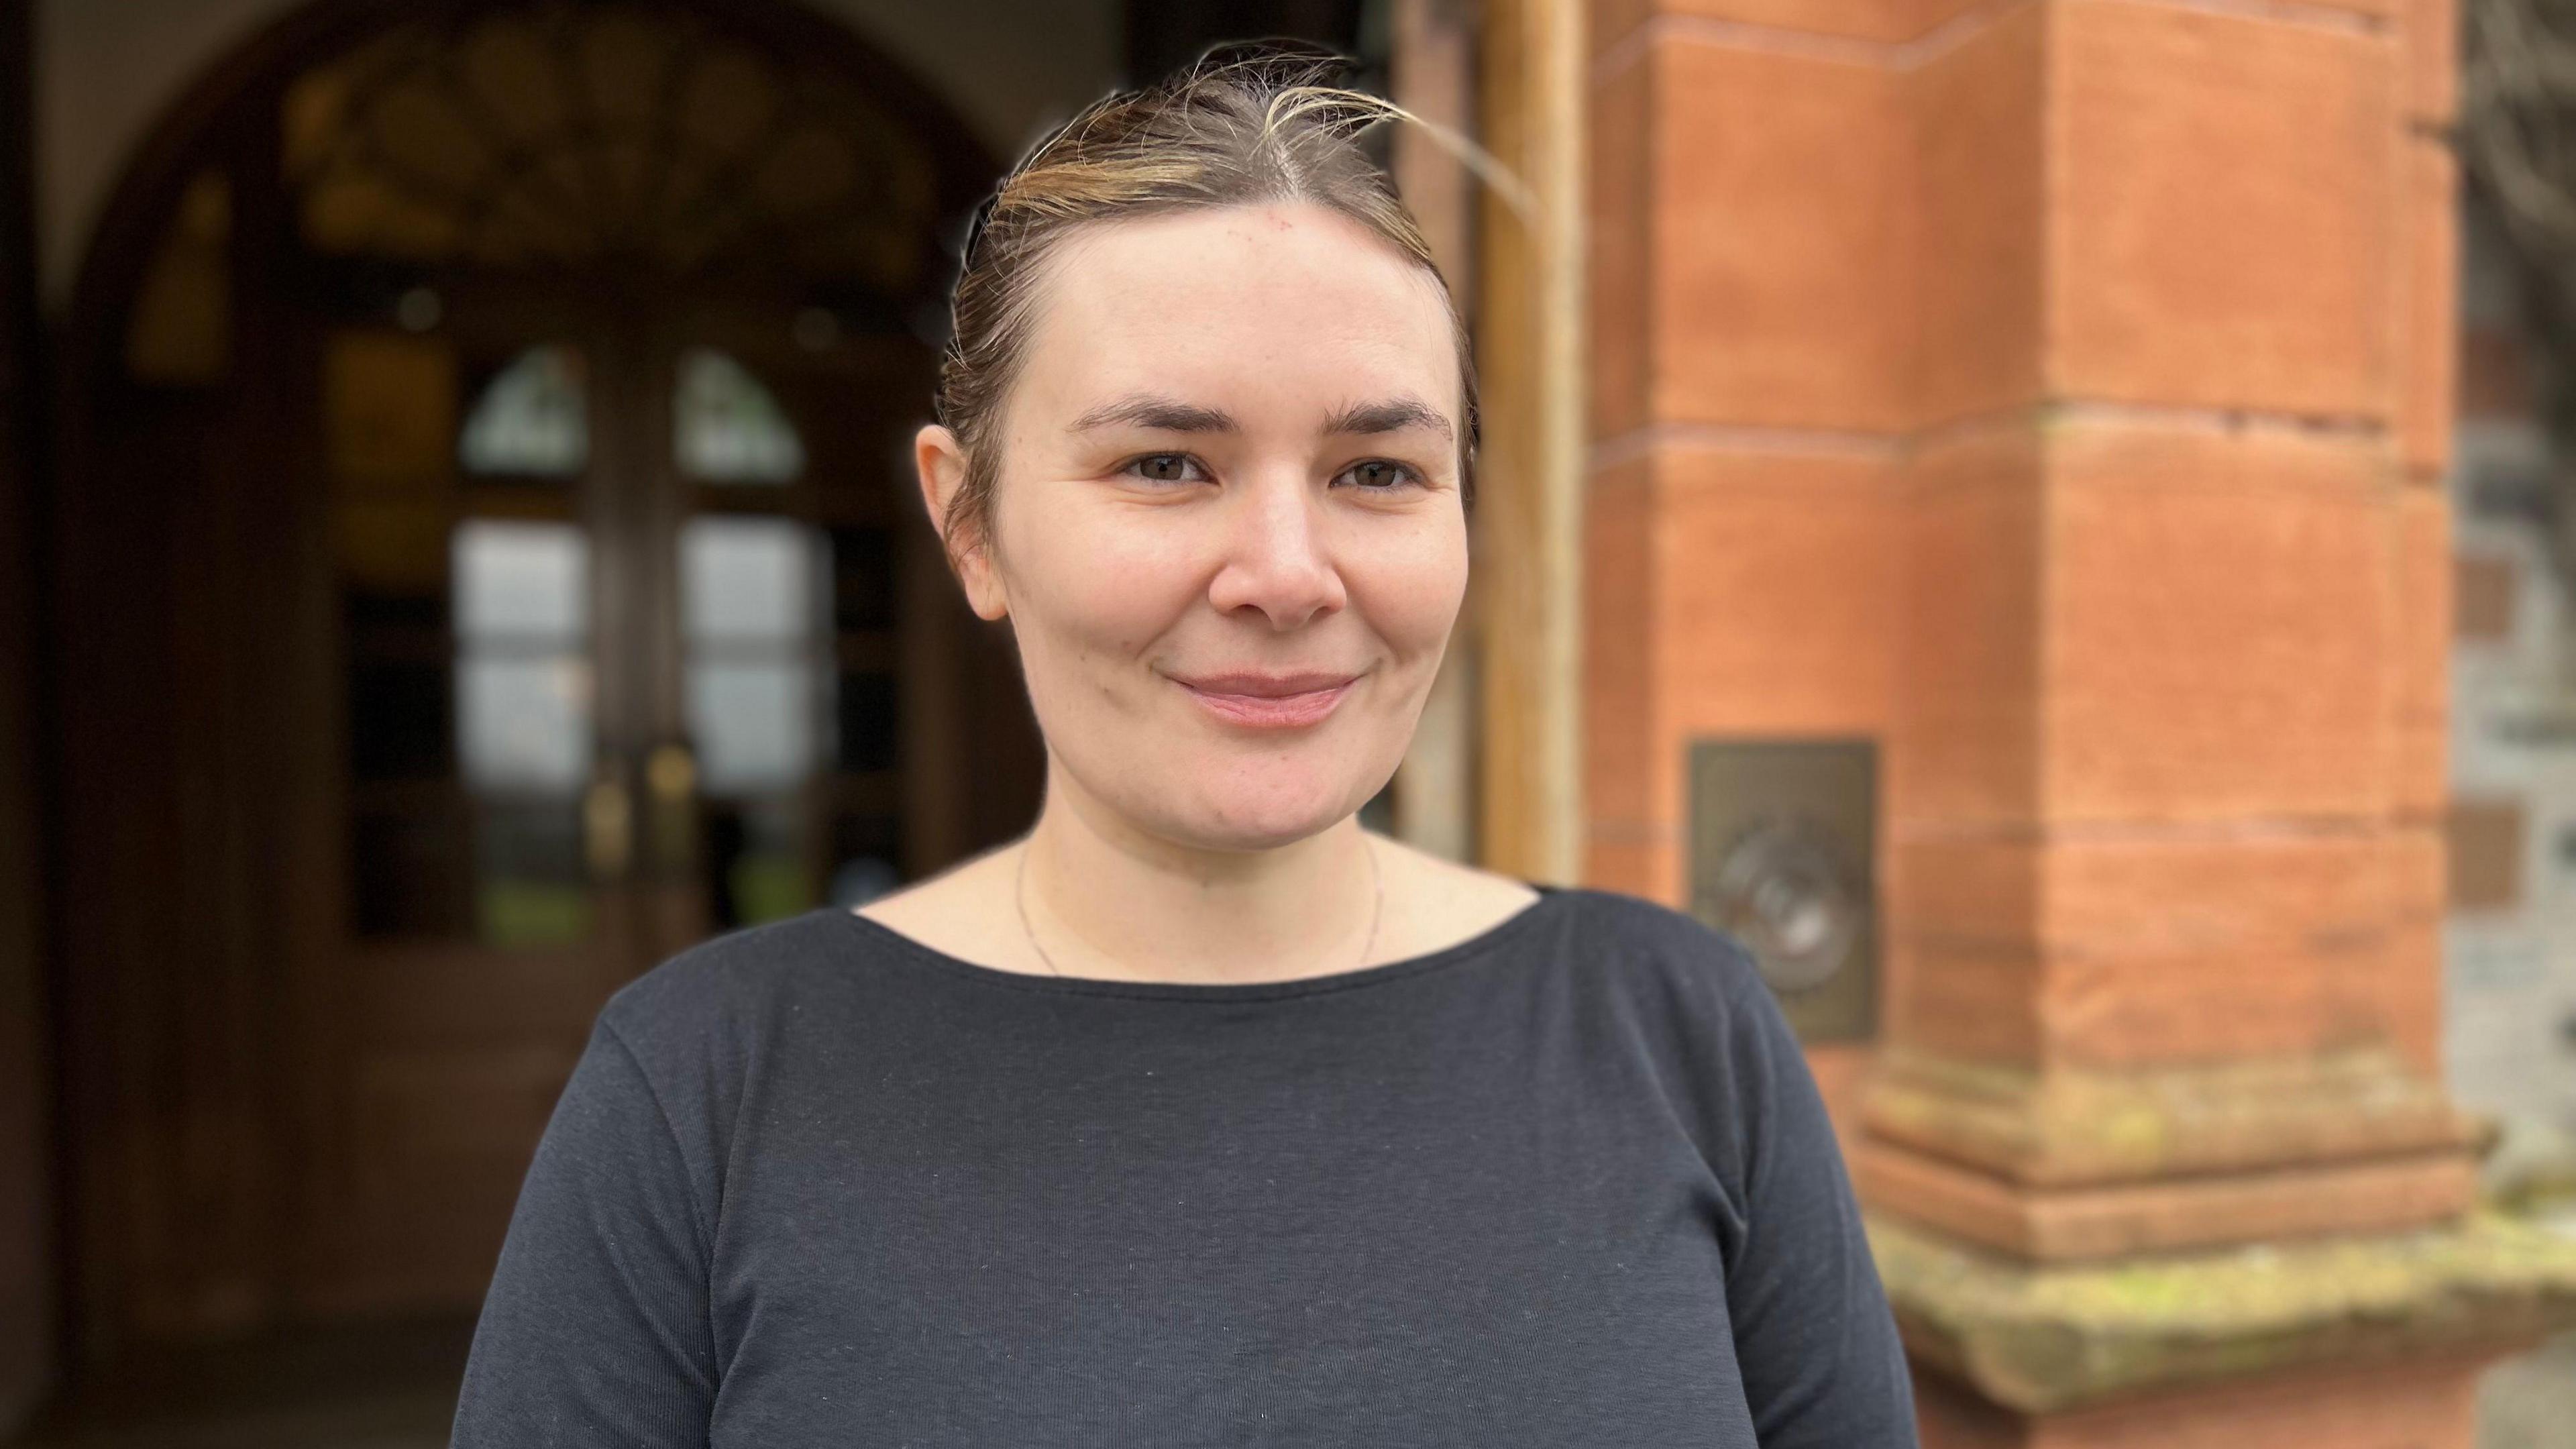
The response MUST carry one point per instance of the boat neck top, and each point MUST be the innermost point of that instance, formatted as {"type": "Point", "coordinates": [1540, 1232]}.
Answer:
{"type": "Point", "coordinates": [1565, 1182]}
{"type": "Point", "coordinates": [1361, 976]}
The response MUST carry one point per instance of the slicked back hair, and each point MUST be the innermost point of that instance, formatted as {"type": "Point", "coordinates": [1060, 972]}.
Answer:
{"type": "Point", "coordinates": [1246, 126]}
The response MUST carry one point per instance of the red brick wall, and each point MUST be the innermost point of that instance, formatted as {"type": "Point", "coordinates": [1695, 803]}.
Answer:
{"type": "Point", "coordinates": [2056, 390]}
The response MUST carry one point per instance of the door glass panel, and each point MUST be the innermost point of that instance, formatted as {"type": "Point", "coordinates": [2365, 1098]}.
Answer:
{"type": "Point", "coordinates": [398, 710]}
{"type": "Point", "coordinates": [529, 866]}
{"type": "Point", "coordinates": [521, 580]}
{"type": "Point", "coordinates": [180, 331]}
{"type": "Point", "coordinates": [748, 580]}
{"type": "Point", "coordinates": [765, 875]}
{"type": "Point", "coordinates": [525, 724]}
{"type": "Point", "coordinates": [867, 828]}
{"type": "Point", "coordinates": [386, 438]}
{"type": "Point", "coordinates": [753, 723]}
{"type": "Point", "coordinates": [726, 427]}
{"type": "Point", "coordinates": [753, 606]}
{"type": "Point", "coordinates": [867, 723]}
{"type": "Point", "coordinates": [529, 420]}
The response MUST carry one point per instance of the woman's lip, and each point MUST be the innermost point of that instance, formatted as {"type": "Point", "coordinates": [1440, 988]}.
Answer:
{"type": "Point", "coordinates": [1266, 686]}
{"type": "Point", "coordinates": [1269, 701]}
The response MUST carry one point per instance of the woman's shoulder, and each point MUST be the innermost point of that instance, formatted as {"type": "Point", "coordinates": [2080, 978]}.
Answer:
{"type": "Point", "coordinates": [1631, 943]}
{"type": "Point", "coordinates": [732, 984]}
{"type": "Point", "coordinates": [1700, 1012]}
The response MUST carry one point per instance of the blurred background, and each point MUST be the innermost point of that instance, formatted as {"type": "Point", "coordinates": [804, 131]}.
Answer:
{"type": "Point", "coordinates": [2051, 519]}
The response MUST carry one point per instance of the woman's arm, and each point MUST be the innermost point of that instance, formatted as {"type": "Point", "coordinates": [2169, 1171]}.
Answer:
{"type": "Point", "coordinates": [596, 1329]}
{"type": "Point", "coordinates": [1813, 1335]}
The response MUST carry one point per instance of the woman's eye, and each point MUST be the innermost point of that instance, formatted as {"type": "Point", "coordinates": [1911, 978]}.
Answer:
{"type": "Point", "coordinates": [1379, 475]}
{"type": "Point", "coordinates": [1166, 468]}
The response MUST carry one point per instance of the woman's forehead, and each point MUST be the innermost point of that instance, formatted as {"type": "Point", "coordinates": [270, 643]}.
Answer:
{"type": "Point", "coordinates": [1238, 308]}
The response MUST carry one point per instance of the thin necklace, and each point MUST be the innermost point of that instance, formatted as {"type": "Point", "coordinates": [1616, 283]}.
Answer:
{"type": "Point", "coordinates": [1377, 907]}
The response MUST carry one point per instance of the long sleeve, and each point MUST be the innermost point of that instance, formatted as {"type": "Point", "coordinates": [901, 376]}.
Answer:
{"type": "Point", "coordinates": [596, 1329]}
{"type": "Point", "coordinates": [1816, 1343]}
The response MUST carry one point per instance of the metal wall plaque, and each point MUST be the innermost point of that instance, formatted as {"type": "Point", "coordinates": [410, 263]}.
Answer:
{"type": "Point", "coordinates": [1782, 857]}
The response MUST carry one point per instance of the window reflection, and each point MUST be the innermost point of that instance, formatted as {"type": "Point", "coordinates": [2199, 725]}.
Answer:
{"type": "Point", "coordinates": [530, 420]}
{"type": "Point", "coordinates": [524, 723]}
{"type": "Point", "coordinates": [753, 606]}
{"type": "Point", "coordinates": [748, 580]}
{"type": "Point", "coordinates": [726, 426]}
{"type": "Point", "coordinates": [753, 723]}
{"type": "Point", "coordinates": [523, 674]}
{"type": "Point", "coordinates": [527, 581]}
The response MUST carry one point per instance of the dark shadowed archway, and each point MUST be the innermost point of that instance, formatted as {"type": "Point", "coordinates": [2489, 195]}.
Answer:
{"type": "Point", "coordinates": [482, 567]}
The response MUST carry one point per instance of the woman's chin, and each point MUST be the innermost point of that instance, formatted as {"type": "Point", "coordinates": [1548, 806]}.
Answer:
{"type": "Point", "coordinates": [1235, 814]}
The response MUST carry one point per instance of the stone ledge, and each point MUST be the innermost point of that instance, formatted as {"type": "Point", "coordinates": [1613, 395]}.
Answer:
{"type": "Point", "coordinates": [2125, 1219]}
{"type": "Point", "coordinates": [2068, 1127]}
{"type": "Point", "coordinates": [2043, 1339]}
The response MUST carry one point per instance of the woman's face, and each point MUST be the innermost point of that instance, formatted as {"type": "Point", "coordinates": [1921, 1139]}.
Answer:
{"type": "Point", "coordinates": [1227, 526]}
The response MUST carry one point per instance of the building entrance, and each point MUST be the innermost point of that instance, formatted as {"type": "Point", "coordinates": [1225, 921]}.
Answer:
{"type": "Point", "coordinates": [488, 541]}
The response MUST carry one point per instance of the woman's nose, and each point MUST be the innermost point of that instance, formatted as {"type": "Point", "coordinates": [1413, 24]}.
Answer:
{"type": "Point", "coordinates": [1277, 560]}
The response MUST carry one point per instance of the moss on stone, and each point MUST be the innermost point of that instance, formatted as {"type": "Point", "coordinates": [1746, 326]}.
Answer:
{"type": "Point", "coordinates": [2050, 1337]}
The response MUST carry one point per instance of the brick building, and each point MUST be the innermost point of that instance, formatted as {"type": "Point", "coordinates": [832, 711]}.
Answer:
{"type": "Point", "coordinates": [2078, 434]}
{"type": "Point", "coordinates": [1967, 510]}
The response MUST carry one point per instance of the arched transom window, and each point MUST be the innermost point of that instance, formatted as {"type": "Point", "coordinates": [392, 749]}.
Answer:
{"type": "Point", "coordinates": [571, 135]}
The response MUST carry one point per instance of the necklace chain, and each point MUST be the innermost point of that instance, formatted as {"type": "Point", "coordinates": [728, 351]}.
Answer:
{"type": "Point", "coordinates": [1377, 906]}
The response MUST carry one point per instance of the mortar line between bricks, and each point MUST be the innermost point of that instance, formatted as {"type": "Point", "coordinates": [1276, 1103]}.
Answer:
{"type": "Point", "coordinates": [1900, 55]}
{"type": "Point", "coordinates": [1804, 442]}
{"type": "Point", "coordinates": [1629, 50]}
{"type": "Point", "coordinates": [1618, 830]}
{"type": "Point", "coordinates": [1638, 443]}
{"type": "Point", "coordinates": [2288, 12]}
{"type": "Point", "coordinates": [2251, 831]}
{"type": "Point", "coordinates": [1641, 442]}
{"type": "Point", "coordinates": [2223, 420]}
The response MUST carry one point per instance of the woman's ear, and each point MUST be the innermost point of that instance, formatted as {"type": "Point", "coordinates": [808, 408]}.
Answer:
{"type": "Point", "coordinates": [941, 464]}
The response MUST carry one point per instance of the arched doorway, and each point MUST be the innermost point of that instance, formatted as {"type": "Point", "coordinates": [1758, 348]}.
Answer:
{"type": "Point", "coordinates": [484, 566]}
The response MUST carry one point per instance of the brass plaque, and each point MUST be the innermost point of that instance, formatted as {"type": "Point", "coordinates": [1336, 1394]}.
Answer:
{"type": "Point", "coordinates": [1782, 857]}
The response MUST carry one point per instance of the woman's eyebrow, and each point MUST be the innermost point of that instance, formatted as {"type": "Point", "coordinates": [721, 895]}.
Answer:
{"type": "Point", "coordinates": [1161, 414]}
{"type": "Point", "coordinates": [1393, 415]}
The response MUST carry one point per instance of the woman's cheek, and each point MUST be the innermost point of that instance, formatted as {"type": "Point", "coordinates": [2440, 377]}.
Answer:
{"type": "Point", "coordinates": [1094, 567]}
{"type": "Point", "coordinates": [1100, 615]}
{"type": "Point", "coordinates": [1414, 589]}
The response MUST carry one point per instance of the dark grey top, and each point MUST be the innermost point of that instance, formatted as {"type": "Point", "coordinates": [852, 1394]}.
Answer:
{"type": "Point", "coordinates": [1565, 1183]}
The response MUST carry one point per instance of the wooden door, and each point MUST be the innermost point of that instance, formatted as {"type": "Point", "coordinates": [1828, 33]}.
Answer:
{"type": "Point", "coordinates": [645, 638]}
{"type": "Point", "coordinates": [813, 660]}
{"type": "Point", "coordinates": [396, 733]}
{"type": "Point", "coordinates": [485, 494]}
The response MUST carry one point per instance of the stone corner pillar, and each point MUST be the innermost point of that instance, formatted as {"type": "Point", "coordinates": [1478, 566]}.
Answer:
{"type": "Point", "coordinates": [2057, 392]}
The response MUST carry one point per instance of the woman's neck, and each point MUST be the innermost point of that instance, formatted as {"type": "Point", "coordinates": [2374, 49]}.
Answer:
{"type": "Point", "coordinates": [1105, 898]}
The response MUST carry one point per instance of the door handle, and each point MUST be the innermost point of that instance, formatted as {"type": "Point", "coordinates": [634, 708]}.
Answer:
{"type": "Point", "coordinates": [671, 773]}
{"type": "Point", "coordinates": [671, 820]}
{"type": "Point", "coordinates": [608, 826]}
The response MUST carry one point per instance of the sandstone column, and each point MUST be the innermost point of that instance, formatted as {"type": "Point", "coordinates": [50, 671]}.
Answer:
{"type": "Point", "coordinates": [2057, 391]}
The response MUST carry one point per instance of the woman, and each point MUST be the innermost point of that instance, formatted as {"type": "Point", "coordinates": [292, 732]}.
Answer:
{"type": "Point", "coordinates": [1199, 1116]}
